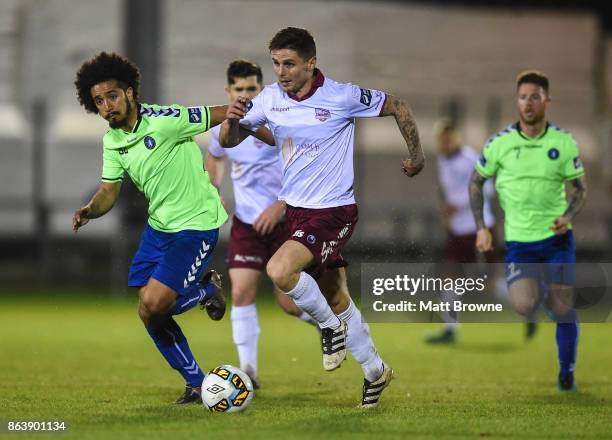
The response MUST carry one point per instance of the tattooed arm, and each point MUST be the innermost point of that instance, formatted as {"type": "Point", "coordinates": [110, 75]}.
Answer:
{"type": "Point", "coordinates": [405, 121]}
{"type": "Point", "coordinates": [484, 240]}
{"type": "Point", "coordinates": [576, 202]}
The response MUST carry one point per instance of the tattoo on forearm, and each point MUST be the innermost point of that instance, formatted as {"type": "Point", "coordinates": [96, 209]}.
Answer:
{"type": "Point", "coordinates": [577, 198]}
{"type": "Point", "coordinates": [477, 199]}
{"type": "Point", "coordinates": [407, 125]}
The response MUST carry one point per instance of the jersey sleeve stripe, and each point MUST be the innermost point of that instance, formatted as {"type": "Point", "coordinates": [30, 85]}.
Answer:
{"type": "Point", "coordinates": [207, 113]}
{"type": "Point", "coordinates": [111, 179]}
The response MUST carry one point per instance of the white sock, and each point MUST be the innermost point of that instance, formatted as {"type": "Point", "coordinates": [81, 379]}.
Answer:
{"type": "Point", "coordinates": [308, 297]}
{"type": "Point", "coordinates": [360, 343]}
{"type": "Point", "coordinates": [245, 332]}
{"type": "Point", "coordinates": [306, 318]}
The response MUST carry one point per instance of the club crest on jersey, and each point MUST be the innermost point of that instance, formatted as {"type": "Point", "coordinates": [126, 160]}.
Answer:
{"type": "Point", "coordinates": [322, 114]}
{"type": "Point", "coordinates": [195, 115]}
{"type": "Point", "coordinates": [149, 142]}
{"type": "Point", "coordinates": [366, 97]}
{"type": "Point", "coordinates": [553, 153]}
{"type": "Point", "coordinates": [311, 239]}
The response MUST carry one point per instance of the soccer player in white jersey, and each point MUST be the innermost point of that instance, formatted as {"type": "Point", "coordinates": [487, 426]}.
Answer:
{"type": "Point", "coordinates": [311, 118]}
{"type": "Point", "coordinates": [258, 226]}
{"type": "Point", "coordinates": [455, 166]}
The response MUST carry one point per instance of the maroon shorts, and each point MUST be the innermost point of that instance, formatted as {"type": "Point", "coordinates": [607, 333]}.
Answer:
{"type": "Point", "coordinates": [247, 249]}
{"type": "Point", "coordinates": [324, 232]}
{"type": "Point", "coordinates": [462, 249]}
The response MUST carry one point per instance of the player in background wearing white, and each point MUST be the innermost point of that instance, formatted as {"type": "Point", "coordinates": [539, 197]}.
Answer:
{"type": "Point", "coordinates": [258, 226]}
{"type": "Point", "coordinates": [312, 120]}
{"type": "Point", "coordinates": [455, 166]}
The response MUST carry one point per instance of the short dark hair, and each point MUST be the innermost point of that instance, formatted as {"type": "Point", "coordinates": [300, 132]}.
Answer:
{"type": "Point", "coordinates": [105, 67]}
{"type": "Point", "coordinates": [243, 69]}
{"type": "Point", "coordinates": [532, 77]}
{"type": "Point", "coordinates": [296, 39]}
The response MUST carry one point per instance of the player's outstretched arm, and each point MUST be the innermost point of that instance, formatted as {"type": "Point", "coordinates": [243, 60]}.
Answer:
{"type": "Point", "coordinates": [217, 114]}
{"type": "Point", "coordinates": [484, 240]}
{"type": "Point", "coordinates": [576, 202]}
{"type": "Point", "coordinates": [232, 134]}
{"type": "Point", "coordinates": [100, 204]}
{"type": "Point", "coordinates": [399, 109]}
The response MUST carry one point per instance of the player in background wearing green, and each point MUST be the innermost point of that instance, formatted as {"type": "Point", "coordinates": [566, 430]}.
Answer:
{"type": "Point", "coordinates": [532, 160]}
{"type": "Point", "coordinates": [155, 146]}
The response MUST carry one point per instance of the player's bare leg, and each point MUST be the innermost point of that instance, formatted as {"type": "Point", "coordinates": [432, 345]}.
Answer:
{"type": "Point", "coordinates": [378, 375]}
{"type": "Point", "coordinates": [524, 296]}
{"type": "Point", "coordinates": [286, 270]}
{"type": "Point", "coordinates": [245, 322]}
{"type": "Point", "coordinates": [156, 301]}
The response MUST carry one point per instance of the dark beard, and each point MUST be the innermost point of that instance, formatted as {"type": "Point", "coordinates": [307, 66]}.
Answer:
{"type": "Point", "coordinates": [118, 123]}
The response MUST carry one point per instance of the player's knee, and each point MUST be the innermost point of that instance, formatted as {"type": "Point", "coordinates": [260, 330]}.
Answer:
{"type": "Point", "coordinates": [280, 275]}
{"type": "Point", "coordinates": [242, 296]}
{"type": "Point", "coordinates": [525, 305]}
{"type": "Point", "coordinates": [155, 304]}
{"type": "Point", "coordinates": [562, 312]}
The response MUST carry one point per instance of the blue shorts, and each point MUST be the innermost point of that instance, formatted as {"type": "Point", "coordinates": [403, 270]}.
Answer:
{"type": "Point", "coordinates": [550, 261]}
{"type": "Point", "coordinates": [176, 259]}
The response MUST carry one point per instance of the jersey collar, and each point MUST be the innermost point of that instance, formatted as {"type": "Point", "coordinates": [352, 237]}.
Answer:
{"type": "Point", "coordinates": [319, 79]}
{"type": "Point", "coordinates": [517, 125]}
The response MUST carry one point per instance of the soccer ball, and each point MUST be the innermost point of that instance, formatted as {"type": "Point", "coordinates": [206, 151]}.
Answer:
{"type": "Point", "coordinates": [227, 389]}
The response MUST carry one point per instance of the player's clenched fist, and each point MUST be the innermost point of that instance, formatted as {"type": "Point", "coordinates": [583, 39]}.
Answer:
{"type": "Point", "coordinates": [412, 167]}
{"type": "Point", "coordinates": [238, 108]}
{"type": "Point", "coordinates": [484, 240]}
{"type": "Point", "coordinates": [80, 218]}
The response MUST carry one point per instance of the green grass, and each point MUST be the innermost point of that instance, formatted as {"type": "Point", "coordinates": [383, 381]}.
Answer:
{"type": "Point", "coordinates": [88, 361]}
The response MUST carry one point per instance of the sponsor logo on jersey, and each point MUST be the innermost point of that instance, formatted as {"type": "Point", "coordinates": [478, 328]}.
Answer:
{"type": "Point", "coordinates": [280, 109]}
{"type": "Point", "coordinates": [299, 233]}
{"type": "Point", "coordinates": [195, 115]}
{"type": "Point", "coordinates": [248, 258]}
{"type": "Point", "coordinates": [553, 153]}
{"type": "Point", "coordinates": [483, 161]}
{"type": "Point", "coordinates": [149, 142]}
{"type": "Point", "coordinates": [123, 151]}
{"type": "Point", "coordinates": [322, 114]}
{"type": "Point", "coordinates": [249, 106]}
{"type": "Point", "coordinates": [328, 249]}
{"type": "Point", "coordinates": [366, 97]}
{"type": "Point", "coordinates": [577, 162]}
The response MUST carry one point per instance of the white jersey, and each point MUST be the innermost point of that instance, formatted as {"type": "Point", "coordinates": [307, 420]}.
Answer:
{"type": "Point", "coordinates": [256, 174]}
{"type": "Point", "coordinates": [455, 173]}
{"type": "Point", "coordinates": [315, 135]}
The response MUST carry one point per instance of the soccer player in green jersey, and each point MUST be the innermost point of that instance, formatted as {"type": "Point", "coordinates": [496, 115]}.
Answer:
{"type": "Point", "coordinates": [154, 145]}
{"type": "Point", "coordinates": [531, 161]}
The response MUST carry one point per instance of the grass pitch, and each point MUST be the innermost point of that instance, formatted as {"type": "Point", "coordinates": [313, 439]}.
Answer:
{"type": "Point", "coordinates": [88, 361]}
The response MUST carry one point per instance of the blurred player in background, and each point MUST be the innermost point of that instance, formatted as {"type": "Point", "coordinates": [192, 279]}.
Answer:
{"type": "Point", "coordinates": [532, 160]}
{"type": "Point", "coordinates": [258, 225]}
{"type": "Point", "coordinates": [455, 166]}
{"type": "Point", "coordinates": [155, 146]}
{"type": "Point", "coordinates": [312, 120]}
